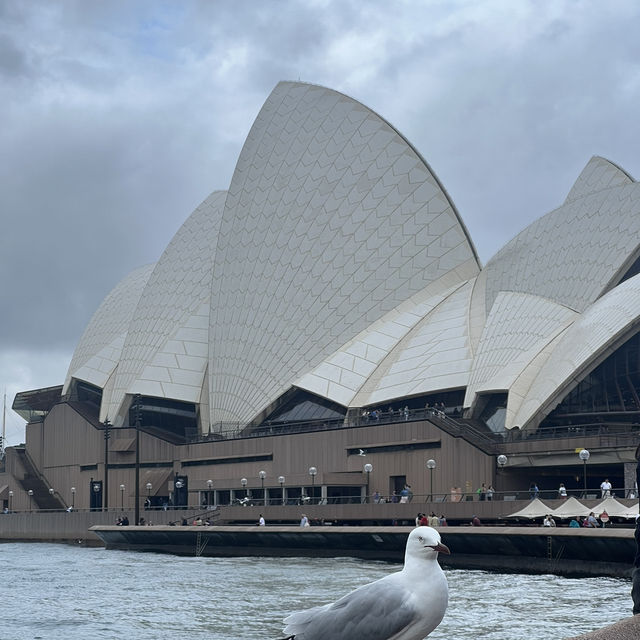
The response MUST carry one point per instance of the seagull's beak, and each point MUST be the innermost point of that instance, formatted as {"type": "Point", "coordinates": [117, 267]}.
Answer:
{"type": "Point", "coordinates": [441, 548]}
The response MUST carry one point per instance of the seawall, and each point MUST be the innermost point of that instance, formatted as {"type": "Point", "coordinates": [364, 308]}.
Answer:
{"type": "Point", "coordinates": [569, 552]}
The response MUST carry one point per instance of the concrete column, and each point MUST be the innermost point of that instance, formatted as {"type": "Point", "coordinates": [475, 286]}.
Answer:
{"type": "Point", "coordinates": [629, 479]}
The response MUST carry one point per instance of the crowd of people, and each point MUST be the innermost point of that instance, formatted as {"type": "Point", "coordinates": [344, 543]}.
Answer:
{"type": "Point", "coordinates": [431, 520]}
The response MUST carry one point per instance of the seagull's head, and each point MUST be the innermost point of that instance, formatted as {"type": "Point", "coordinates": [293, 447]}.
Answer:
{"type": "Point", "coordinates": [425, 542]}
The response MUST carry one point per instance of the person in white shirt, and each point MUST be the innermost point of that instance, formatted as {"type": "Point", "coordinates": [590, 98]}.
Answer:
{"type": "Point", "coordinates": [605, 488]}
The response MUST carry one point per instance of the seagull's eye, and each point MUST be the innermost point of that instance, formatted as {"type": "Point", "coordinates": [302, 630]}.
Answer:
{"type": "Point", "coordinates": [420, 539]}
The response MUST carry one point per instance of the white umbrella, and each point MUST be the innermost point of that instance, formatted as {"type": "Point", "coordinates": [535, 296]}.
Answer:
{"type": "Point", "coordinates": [571, 508]}
{"type": "Point", "coordinates": [615, 508]}
{"type": "Point", "coordinates": [535, 509]}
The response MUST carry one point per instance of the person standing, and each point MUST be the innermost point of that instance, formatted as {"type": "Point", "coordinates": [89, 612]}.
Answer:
{"type": "Point", "coordinates": [304, 521]}
{"type": "Point", "coordinates": [261, 522]}
{"type": "Point", "coordinates": [562, 491]}
{"type": "Point", "coordinates": [605, 488]}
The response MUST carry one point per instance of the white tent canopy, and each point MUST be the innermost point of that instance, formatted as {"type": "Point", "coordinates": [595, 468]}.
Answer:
{"type": "Point", "coordinates": [571, 508]}
{"type": "Point", "coordinates": [535, 509]}
{"type": "Point", "coordinates": [615, 508]}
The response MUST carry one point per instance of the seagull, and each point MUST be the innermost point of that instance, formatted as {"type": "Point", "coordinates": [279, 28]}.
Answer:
{"type": "Point", "coordinates": [406, 605]}
{"type": "Point", "coordinates": [361, 452]}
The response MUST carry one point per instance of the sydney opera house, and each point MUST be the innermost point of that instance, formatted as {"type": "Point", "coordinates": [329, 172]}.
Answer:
{"type": "Point", "coordinates": [329, 311]}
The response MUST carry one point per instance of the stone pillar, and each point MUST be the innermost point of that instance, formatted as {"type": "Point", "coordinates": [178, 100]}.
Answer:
{"type": "Point", "coordinates": [629, 480]}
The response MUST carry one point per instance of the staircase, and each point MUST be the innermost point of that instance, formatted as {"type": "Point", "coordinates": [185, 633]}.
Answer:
{"type": "Point", "coordinates": [42, 499]}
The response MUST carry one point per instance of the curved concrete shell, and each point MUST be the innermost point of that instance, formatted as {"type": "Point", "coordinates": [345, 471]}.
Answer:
{"type": "Point", "coordinates": [166, 349]}
{"type": "Point", "coordinates": [599, 174]}
{"type": "Point", "coordinates": [572, 254]}
{"type": "Point", "coordinates": [332, 220]}
{"type": "Point", "coordinates": [99, 349]}
{"type": "Point", "coordinates": [586, 343]}
{"type": "Point", "coordinates": [518, 328]}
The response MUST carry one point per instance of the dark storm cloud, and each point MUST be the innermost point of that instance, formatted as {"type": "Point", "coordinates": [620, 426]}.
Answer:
{"type": "Point", "coordinates": [118, 118]}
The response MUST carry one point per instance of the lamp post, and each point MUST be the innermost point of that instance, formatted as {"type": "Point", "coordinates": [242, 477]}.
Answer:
{"type": "Point", "coordinates": [281, 481]}
{"type": "Point", "coordinates": [368, 468]}
{"type": "Point", "coordinates": [313, 472]}
{"type": "Point", "coordinates": [243, 484]}
{"type": "Point", "coordinates": [10, 500]}
{"type": "Point", "coordinates": [209, 486]}
{"type": "Point", "coordinates": [122, 497]}
{"type": "Point", "coordinates": [137, 480]}
{"type": "Point", "coordinates": [502, 461]}
{"type": "Point", "coordinates": [178, 485]}
{"type": "Point", "coordinates": [107, 435]}
{"type": "Point", "coordinates": [149, 487]}
{"type": "Point", "coordinates": [96, 488]}
{"type": "Point", "coordinates": [30, 492]}
{"type": "Point", "coordinates": [431, 465]}
{"type": "Point", "coordinates": [73, 497]}
{"type": "Point", "coordinates": [262, 475]}
{"type": "Point", "coordinates": [584, 456]}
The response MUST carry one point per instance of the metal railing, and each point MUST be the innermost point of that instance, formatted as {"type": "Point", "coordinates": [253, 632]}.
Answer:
{"type": "Point", "coordinates": [236, 430]}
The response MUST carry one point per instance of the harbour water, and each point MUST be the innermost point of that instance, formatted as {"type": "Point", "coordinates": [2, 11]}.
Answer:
{"type": "Point", "coordinates": [54, 591]}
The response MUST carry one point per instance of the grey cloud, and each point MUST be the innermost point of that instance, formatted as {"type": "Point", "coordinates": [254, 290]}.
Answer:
{"type": "Point", "coordinates": [13, 62]}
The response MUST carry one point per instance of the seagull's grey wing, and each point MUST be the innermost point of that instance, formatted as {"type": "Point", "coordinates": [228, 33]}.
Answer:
{"type": "Point", "coordinates": [375, 611]}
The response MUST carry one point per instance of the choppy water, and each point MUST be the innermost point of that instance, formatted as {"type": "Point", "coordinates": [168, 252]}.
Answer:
{"type": "Point", "coordinates": [55, 591]}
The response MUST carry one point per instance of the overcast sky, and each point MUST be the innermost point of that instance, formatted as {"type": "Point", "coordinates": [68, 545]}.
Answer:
{"type": "Point", "coordinates": [118, 118]}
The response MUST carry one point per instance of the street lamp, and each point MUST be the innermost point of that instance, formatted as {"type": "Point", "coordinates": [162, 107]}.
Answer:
{"type": "Point", "coordinates": [178, 485]}
{"type": "Point", "coordinates": [281, 481]}
{"type": "Point", "coordinates": [138, 422]}
{"type": "Point", "coordinates": [431, 465]}
{"type": "Point", "coordinates": [73, 497]}
{"type": "Point", "coordinates": [96, 488]}
{"type": "Point", "coordinates": [107, 436]}
{"type": "Point", "coordinates": [10, 500]}
{"type": "Point", "coordinates": [30, 492]}
{"type": "Point", "coordinates": [262, 475]}
{"type": "Point", "coordinates": [149, 487]}
{"type": "Point", "coordinates": [122, 497]}
{"type": "Point", "coordinates": [584, 456]}
{"type": "Point", "coordinates": [368, 468]}
{"type": "Point", "coordinates": [313, 472]}
{"type": "Point", "coordinates": [209, 485]}
{"type": "Point", "coordinates": [502, 461]}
